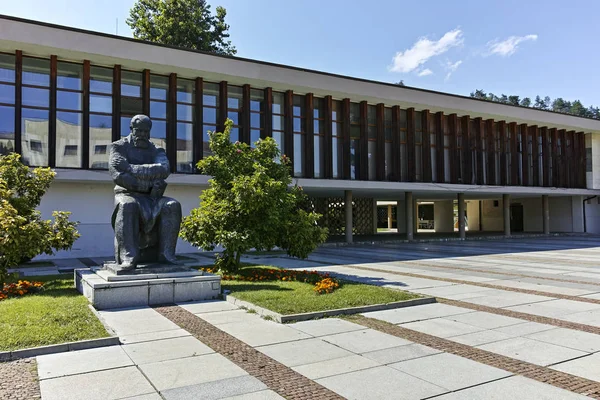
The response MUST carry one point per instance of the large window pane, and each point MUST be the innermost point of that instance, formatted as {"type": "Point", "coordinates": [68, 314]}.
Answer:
{"type": "Point", "coordinates": [318, 157]}
{"type": "Point", "coordinates": [101, 104]}
{"type": "Point", "coordinates": [185, 148]}
{"type": "Point", "coordinates": [205, 139]}
{"type": "Point", "coordinates": [256, 120]}
{"type": "Point", "coordinates": [158, 134]}
{"type": "Point", "coordinates": [159, 87]}
{"type": "Point", "coordinates": [210, 94]}
{"type": "Point", "coordinates": [68, 100]}
{"type": "Point", "coordinates": [278, 137]}
{"type": "Point", "coordinates": [36, 97]}
{"type": "Point", "coordinates": [68, 140]}
{"type": "Point", "coordinates": [277, 123]}
{"type": "Point", "coordinates": [372, 168]}
{"type": "Point", "coordinates": [34, 128]}
{"type": "Point", "coordinates": [131, 84]}
{"type": "Point", "coordinates": [234, 135]}
{"type": "Point", "coordinates": [7, 129]}
{"type": "Point", "coordinates": [36, 72]}
{"type": "Point", "coordinates": [185, 91]}
{"type": "Point", "coordinates": [210, 115]}
{"type": "Point", "coordinates": [69, 76]}
{"type": "Point", "coordinates": [100, 139]}
{"type": "Point", "coordinates": [234, 97]}
{"type": "Point", "coordinates": [158, 109]}
{"type": "Point", "coordinates": [254, 136]}
{"type": "Point", "coordinates": [125, 126]}
{"type": "Point", "coordinates": [257, 98]}
{"type": "Point", "coordinates": [234, 116]}
{"type": "Point", "coordinates": [185, 112]}
{"type": "Point", "coordinates": [131, 106]}
{"type": "Point", "coordinates": [7, 94]}
{"type": "Point", "coordinates": [7, 68]}
{"type": "Point", "coordinates": [101, 80]}
{"type": "Point", "coordinates": [298, 155]}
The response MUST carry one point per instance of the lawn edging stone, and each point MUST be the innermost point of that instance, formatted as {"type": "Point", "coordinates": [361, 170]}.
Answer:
{"type": "Point", "coordinates": [59, 348]}
{"type": "Point", "coordinates": [266, 313]}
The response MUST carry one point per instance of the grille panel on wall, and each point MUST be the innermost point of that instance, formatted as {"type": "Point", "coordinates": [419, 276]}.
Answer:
{"type": "Point", "coordinates": [333, 215]}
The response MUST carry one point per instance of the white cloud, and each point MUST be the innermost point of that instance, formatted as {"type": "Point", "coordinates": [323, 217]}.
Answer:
{"type": "Point", "coordinates": [425, 72]}
{"type": "Point", "coordinates": [451, 67]}
{"type": "Point", "coordinates": [423, 49]}
{"type": "Point", "coordinates": [507, 47]}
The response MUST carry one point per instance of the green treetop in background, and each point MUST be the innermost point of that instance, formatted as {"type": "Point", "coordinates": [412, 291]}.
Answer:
{"type": "Point", "coordinates": [250, 204]}
{"type": "Point", "coordinates": [558, 105]}
{"type": "Point", "coordinates": [182, 23]}
{"type": "Point", "coordinates": [23, 233]}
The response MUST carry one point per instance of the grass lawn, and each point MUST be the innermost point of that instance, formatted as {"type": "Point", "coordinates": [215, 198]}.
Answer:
{"type": "Point", "coordinates": [58, 314]}
{"type": "Point", "coordinates": [299, 297]}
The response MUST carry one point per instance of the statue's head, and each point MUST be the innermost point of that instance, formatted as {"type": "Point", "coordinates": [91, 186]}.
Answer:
{"type": "Point", "coordinates": [140, 130]}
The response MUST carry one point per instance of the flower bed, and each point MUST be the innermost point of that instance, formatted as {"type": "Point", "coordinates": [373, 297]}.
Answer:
{"type": "Point", "coordinates": [323, 282]}
{"type": "Point", "coordinates": [20, 288]}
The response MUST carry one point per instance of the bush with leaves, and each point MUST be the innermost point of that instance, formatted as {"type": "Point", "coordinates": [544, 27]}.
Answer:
{"type": "Point", "coordinates": [23, 233]}
{"type": "Point", "coordinates": [250, 204]}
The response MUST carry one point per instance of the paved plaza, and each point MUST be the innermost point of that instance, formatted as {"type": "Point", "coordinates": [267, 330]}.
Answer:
{"type": "Point", "coordinates": [515, 319]}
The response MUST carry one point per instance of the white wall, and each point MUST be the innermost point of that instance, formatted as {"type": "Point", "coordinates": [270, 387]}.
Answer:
{"type": "Point", "coordinates": [473, 215]}
{"type": "Point", "coordinates": [92, 206]}
{"type": "Point", "coordinates": [593, 177]}
{"type": "Point", "coordinates": [492, 217]}
{"type": "Point", "coordinates": [443, 216]}
{"type": "Point", "coordinates": [566, 214]}
{"type": "Point", "coordinates": [592, 215]}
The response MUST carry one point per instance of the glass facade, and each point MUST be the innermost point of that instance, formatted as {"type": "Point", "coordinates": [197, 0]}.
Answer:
{"type": "Point", "coordinates": [62, 114]}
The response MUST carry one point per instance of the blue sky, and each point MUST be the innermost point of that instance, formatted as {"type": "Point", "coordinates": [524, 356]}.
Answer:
{"type": "Point", "coordinates": [513, 47]}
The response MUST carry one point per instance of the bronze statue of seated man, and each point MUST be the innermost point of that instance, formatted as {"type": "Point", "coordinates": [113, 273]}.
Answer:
{"type": "Point", "coordinates": [146, 223]}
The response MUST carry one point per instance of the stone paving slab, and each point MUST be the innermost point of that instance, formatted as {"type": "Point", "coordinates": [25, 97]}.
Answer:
{"type": "Point", "coordinates": [227, 317]}
{"type": "Point", "coordinates": [136, 320]}
{"type": "Point", "coordinates": [410, 314]}
{"type": "Point", "coordinates": [364, 341]}
{"type": "Point", "coordinates": [380, 383]}
{"type": "Point", "coordinates": [513, 388]}
{"type": "Point", "coordinates": [191, 371]}
{"type": "Point", "coordinates": [586, 367]}
{"type": "Point", "coordinates": [335, 366]}
{"type": "Point", "coordinates": [325, 326]}
{"type": "Point", "coordinates": [573, 339]}
{"type": "Point", "coordinates": [442, 327]}
{"type": "Point", "coordinates": [201, 307]}
{"type": "Point", "coordinates": [216, 390]}
{"type": "Point", "coordinates": [152, 336]}
{"type": "Point", "coordinates": [262, 395]}
{"type": "Point", "coordinates": [523, 329]}
{"type": "Point", "coordinates": [482, 337]}
{"type": "Point", "coordinates": [167, 349]}
{"type": "Point", "coordinates": [484, 320]}
{"type": "Point", "coordinates": [400, 353]}
{"type": "Point", "coordinates": [82, 361]}
{"type": "Point", "coordinates": [301, 352]}
{"type": "Point", "coordinates": [532, 351]}
{"type": "Point", "coordinates": [450, 371]}
{"type": "Point", "coordinates": [260, 333]}
{"type": "Point", "coordinates": [111, 384]}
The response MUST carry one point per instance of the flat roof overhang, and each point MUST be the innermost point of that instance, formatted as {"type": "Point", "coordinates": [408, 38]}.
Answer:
{"type": "Point", "coordinates": [41, 39]}
{"type": "Point", "coordinates": [373, 189]}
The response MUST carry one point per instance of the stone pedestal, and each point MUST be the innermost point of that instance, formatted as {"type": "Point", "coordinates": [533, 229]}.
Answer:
{"type": "Point", "coordinates": [145, 286]}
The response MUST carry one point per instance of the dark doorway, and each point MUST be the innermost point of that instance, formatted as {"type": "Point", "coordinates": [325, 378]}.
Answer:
{"type": "Point", "coordinates": [516, 218]}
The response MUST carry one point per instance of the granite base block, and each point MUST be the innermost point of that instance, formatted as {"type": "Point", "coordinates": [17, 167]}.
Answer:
{"type": "Point", "coordinates": [105, 293]}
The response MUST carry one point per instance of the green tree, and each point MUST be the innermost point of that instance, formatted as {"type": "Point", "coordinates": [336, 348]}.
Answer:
{"type": "Point", "coordinates": [525, 102]}
{"type": "Point", "coordinates": [250, 204]}
{"type": "Point", "coordinates": [23, 234]}
{"type": "Point", "coordinates": [183, 23]}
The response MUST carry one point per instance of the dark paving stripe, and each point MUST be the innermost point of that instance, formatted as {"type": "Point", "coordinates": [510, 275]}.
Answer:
{"type": "Point", "coordinates": [279, 378]}
{"type": "Point", "coordinates": [541, 374]}
{"type": "Point", "coordinates": [19, 380]}
{"type": "Point", "coordinates": [482, 284]}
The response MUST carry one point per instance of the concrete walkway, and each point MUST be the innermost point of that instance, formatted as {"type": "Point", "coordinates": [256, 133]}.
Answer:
{"type": "Point", "coordinates": [534, 334]}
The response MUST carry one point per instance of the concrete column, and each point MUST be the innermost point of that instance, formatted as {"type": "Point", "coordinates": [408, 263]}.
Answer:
{"type": "Point", "coordinates": [506, 209]}
{"type": "Point", "coordinates": [400, 216]}
{"type": "Point", "coordinates": [443, 216]}
{"type": "Point", "coordinates": [461, 216]}
{"type": "Point", "coordinates": [374, 216]}
{"type": "Point", "coordinates": [348, 209]}
{"type": "Point", "coordinates": [545, 214]}
{"type": "Point", "coordinates": [577, 213]}
{"type": "Point", "coordinates": [390, 221]}
{"type": "Point", "coordinates": [410, 224]}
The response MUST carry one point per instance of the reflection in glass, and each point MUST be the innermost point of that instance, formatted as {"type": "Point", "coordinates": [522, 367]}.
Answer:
{"type": "Point", "coordinates": [68, 140]}
{"type": "Point", "coordinates": [100, 139]}
{"type": "Point", "coordinates": [234, 116]}
{"type": "Point", "coordinates": [125, 123]}
{"type": "Point", "coordinates": [7, 94]}
{"type": "Point", "coordinates": [234, 97]}
{"type": "Point", "coordinates": [372, 168]}
{"type": "Point", "coordinates": [36, 72]}
{"type": "Point", "coordinates": [7, 129]}
{"type": "Point", "coordinates": [256, 120]}
{"type": "Point", "coordinates": [34, 136]}
{"type": "Point", "coordinates": [7, 68]}
{"type": "Point", "coordinates": [69, 76]}
{"type": "Point", "coordinates": [185, 148]}
{"type": "Point", "coordinates": [319, 157]}
{"type": "Point", "coordinates": [210, 94]}
{"type": "Point", "coordinates": [277, 123]}
{"type": "Point", "coordinates": [101, 80]}
{"type": "Point", "coordinates": [210, 115]}
{"type": "Point", "coordinates": [185, 112]}
{"type": "Point", "coordinates": [254, 136]}
{"type": "Point", "coordinates": [256, 99]}
{"type": "Point", "coordinates": [388, 161]}
{"type": "Point", "coordinates": [277, 106]}
{"type": "Point", "coordinates": [99, 103]}
{"type": "Point", "coordinates": [185, 91]}
{"type": "Point", "coordinates": [234, 135]}
{"type": "Point", "coordinates": [298, 155]}
{"type": "Point", "coordinates": [205, 139]}
{"type": "Point", "coordinates": [131, 106]}
{"type": "Point", "coordinates": [68, 100]}
{"type": "Point", "coordinates": [354, 159]}
{"type": "Point", "coordinates": [36, 97]}
{"type": "Point", "coordinates": [131, 84]}
{"type": "Point", "coordinates": [158, 109]}
{"type": "Point", "coordinates": [158, 133]}
{"type": "Point", "coordinates": [159, 87]}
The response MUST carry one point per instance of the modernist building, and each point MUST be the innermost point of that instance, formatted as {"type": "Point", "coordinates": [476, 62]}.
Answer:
{"type": "Point", "coordinates": [65, 94]}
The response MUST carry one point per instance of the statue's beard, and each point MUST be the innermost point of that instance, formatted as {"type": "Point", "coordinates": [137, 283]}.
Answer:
{"type": "Point", "coordinates": [140, 142]}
